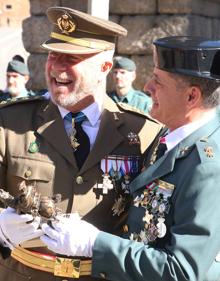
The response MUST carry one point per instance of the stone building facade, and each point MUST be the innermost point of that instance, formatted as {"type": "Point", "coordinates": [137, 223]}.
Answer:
{"type": "Point", "coordinates": [145, 21]}
{"type": "Point", "coordinates": [12, 12]}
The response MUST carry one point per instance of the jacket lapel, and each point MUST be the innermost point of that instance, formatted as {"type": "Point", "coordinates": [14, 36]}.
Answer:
{"type": "Point", "coordinates": [161, 167]}
{"type": "Point", "coordinates": [51, 128]}
{"type": "Point", "coordinates": [166, 163]}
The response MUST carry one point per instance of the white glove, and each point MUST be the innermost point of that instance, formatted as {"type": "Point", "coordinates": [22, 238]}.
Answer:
{"type": "Point", "coordinates": [15, 229]}
{"type": "Point", "coordinates": [70, 236]}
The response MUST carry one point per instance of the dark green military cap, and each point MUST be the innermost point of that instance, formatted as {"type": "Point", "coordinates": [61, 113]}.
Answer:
{"type": "Point", "coordinates": [18, 67]}
{"type": "Point", "coordinates": [189, 55]}
{"type": "Point", "coordinates": [124, 63]}
{"type": "Point", "coordinates": [75, 32]}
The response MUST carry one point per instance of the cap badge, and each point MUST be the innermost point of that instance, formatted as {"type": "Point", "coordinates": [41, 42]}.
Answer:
{"type": "Point", "coordinates": [66, 25]}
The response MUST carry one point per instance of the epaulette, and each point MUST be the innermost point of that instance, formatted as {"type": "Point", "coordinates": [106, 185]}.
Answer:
{"type": "Point", "coordinates": [20, 100]}
{"type": "Point", "coordinates": [127, 107]}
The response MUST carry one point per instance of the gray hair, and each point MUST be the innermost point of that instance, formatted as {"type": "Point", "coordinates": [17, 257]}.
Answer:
{"type": "Point", "coordinates": [209, 88]}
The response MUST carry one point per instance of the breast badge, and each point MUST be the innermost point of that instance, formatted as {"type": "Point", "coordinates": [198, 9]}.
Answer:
{"type": "Point", "coordinates": [133, 138]}
{"type": "Point", "coordinates": [34, 147]}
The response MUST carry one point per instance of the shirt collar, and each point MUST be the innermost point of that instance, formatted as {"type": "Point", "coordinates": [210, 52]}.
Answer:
{"type": "Point", "coordinates": [92, 112]}
{"type": "Point", "coordinates": [129, 95]}
{"type": "Point", "coordinates": [175, 137]}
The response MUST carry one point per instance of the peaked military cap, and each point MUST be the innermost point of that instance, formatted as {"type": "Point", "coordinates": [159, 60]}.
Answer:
{"type": "Point", "coordinates": [124, 63]}
{"type": "Point", "coordinates": [188, 55]}
{"type": "Point", "coordinates": [75, 32]}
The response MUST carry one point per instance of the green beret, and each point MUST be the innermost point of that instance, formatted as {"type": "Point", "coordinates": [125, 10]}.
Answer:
{"type": "Point", "coordinates": [124, 63]}
{"type": "Point", "coordinates": [18, 67]}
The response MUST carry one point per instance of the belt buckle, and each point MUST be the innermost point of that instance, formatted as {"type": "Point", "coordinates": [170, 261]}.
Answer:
{"type": "Point", "coordinates": [65, 267]}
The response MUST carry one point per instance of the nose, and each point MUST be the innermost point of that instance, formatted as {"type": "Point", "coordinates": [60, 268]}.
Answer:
{"type": "Point", "coordinates": [149, 87]}
{"type": "Point", "coordinates": [146, 86]}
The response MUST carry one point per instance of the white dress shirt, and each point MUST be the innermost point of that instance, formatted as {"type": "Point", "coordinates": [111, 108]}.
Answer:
{"type": "Point", "coordinates": [175, 137]}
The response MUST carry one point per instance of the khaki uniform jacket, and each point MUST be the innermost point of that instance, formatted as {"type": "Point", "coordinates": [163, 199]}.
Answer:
{"type": "Point", "coordinates": [52, 169]}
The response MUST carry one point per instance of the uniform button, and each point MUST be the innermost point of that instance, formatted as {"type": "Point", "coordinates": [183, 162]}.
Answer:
{"type": "Point", "coordinates": [28, 173]}
{"type": "Point", "coordinates": [79, 180]}
{"type": "Point", "coordinates": [125, 228]}
{"type": "Point", "coordinates": [102, 275]}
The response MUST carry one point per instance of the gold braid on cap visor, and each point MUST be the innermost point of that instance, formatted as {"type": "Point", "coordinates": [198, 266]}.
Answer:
{"type": "Point", "coordinates": [80, 42]}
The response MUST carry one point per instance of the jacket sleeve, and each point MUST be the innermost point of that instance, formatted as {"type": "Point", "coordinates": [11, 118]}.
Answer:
{"type": "Point", "coordinates": [194, 237]}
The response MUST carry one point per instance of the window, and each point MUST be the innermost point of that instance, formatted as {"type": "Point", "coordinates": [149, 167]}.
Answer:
{"type": "Point", "coordinates": [8, 7]}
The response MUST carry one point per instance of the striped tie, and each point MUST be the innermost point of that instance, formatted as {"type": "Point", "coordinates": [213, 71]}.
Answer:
{"type": "Point", "coordinates": [81, 151]}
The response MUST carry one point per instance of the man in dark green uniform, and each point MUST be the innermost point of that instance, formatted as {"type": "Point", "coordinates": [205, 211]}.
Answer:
{"type": "Point", "coordinates": [124, 74]}
{"type": "Point", "coordinates": [17, 75]}
{"type": "Point", "coordinates": [173, 227]}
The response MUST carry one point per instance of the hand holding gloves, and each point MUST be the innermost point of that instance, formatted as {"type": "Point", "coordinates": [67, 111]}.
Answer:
{"type": "Point", "coordinates": [70, 236]}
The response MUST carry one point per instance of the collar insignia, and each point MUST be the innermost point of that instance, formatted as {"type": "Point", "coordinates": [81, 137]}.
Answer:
{"type": "Point", "coordinates": [209, 151]}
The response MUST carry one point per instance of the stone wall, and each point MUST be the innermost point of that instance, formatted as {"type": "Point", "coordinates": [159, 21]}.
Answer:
{"type": "Point", "coordinates": [13, 12]}
{"type": "Point", "coordinates": [145, 21]}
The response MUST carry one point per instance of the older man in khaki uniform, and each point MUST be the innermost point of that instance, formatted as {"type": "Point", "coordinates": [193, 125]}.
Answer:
{"type": "Point", "coordinates": [77, 142]}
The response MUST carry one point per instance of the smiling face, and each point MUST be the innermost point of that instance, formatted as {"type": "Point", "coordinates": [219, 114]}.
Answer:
{"type": "Point", "coordinates": [170, 98]}
{"type": "Point", "coordinates": [73, 80]}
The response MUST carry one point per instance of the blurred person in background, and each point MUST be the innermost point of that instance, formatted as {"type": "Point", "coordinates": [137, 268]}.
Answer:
{"type": "Point", "coordinates": [17, 75]}
{"type": "Point", "coordinates": [124, 74]}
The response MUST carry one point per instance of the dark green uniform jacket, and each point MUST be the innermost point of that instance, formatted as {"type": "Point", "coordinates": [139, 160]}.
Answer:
{"type": "Point", "coordinates": [52, 167]}
{"type": "Point", "coordinates": [190, 174]}
{"type": "Point", "coordinates": [134, 98]}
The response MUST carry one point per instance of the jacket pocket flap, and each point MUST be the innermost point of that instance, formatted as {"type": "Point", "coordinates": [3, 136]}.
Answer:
{"type": "Point", "coordinates": [31, 169]}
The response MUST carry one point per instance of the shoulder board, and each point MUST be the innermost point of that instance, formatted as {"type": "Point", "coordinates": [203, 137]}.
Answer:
{"type": "Point", "coordinates": [126, 107]}
{"type": "Point", "coordinates": [20, 100]}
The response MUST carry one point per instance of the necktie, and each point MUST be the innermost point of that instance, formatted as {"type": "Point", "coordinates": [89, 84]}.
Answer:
{"type": "Point", "coordinates": [162, 147]}
{"type": "Point", "coordinates": [82, 150]}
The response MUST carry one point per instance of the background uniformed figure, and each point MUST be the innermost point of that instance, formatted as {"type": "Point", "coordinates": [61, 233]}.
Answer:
{"type": "Point", "coordinates": [17, 75]}
{"type": "Point", "coordinates": [172, 231]}
{"type": "Point", "coordinates": [41, 141]}
{"type": "Point", "coordinates": [124, 74]}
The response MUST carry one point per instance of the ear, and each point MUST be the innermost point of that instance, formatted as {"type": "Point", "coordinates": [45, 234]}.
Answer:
{"type": "Point", "coordinates": [194, 96]}
{"type": "Point", "coordinates": [106, 67]}
{"type": "Point", "coordinates": [133, 75]}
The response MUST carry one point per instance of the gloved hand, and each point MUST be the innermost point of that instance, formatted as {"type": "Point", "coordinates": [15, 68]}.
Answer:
{"type": "Point", "coordinates": [70, 236]}
{"type": "Point", "coordinates": [15, 229]}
